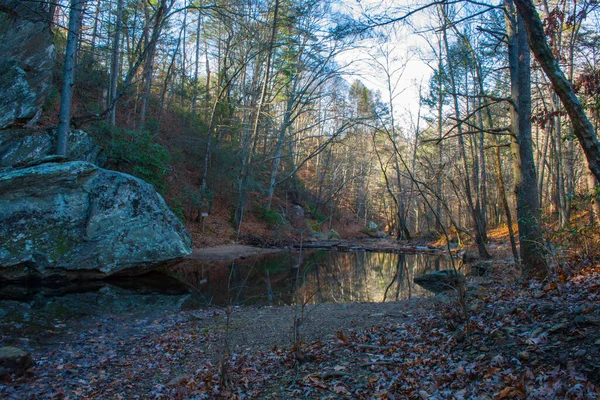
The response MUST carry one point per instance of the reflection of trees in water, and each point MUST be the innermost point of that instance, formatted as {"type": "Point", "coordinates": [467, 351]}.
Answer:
{"type": "Point", "coordinates": [366, 277]}
{"type": "Point", "coordinates": [312, 277]}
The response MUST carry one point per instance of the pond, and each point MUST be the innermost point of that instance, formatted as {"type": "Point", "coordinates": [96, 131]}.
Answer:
{"type": "Point", "coordinates": [282, 278]}
{"type": "Point", "coordinates": [311, 277]}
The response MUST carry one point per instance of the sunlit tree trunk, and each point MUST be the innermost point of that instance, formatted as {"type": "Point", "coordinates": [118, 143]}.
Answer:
{"type": "Point", "coordinates": [532, 249]}
{"type": "Point", "coordinates": [474, 211]}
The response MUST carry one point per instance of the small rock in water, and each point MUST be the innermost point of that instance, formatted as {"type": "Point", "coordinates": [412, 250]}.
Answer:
{"type": "Point", "coordinates": [441, 281]}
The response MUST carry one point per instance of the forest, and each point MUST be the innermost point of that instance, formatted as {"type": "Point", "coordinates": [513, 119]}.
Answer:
{"type": "Point", "coordinates": [249, 108]}
{"type": "Point", "coordinates": [465, 128]}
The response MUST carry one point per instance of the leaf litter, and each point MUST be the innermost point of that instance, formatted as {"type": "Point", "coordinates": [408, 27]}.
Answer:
{"type": "Point", "coordinates": [536, 341]}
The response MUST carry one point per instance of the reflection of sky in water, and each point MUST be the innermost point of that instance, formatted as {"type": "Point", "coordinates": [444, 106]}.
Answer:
{"type": "Point", "coordinates": [322, 276]}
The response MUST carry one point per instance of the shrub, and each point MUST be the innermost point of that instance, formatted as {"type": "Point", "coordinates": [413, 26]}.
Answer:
{"type": "Point", "coordinates": [316, 214]}
{"type": "Point", "coordinates": [176, 205]}
{"type": "Point", "coordinates": [314, 225]}
{"type": "Point", "coordinates": [135, 153]}
{"type": "Point", "coordinates": [272, 218]}
{"type": "Point", "coordinates": [195, 201]}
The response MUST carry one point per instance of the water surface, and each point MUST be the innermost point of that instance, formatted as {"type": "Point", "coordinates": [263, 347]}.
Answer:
{"type": "Point", "coordinates": [311, 277]}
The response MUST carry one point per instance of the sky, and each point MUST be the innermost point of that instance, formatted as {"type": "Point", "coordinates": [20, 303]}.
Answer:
{"type": "Point", "coordinates": [403, 54]}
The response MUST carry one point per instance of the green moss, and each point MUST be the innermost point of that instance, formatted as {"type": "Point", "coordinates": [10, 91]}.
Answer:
{"type": "Point", "coordinates": [314, 225]}
{"type": "Point", "coordinates": [62, 246]}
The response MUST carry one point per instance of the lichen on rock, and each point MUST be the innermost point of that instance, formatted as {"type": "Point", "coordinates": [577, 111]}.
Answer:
{"type": "Point", "coordinates": [76, 220]}
{"type": "Point", "coordinates": [27, 58]}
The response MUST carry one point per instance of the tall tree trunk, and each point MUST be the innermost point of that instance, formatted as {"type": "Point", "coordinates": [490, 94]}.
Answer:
{"type": "Point", "coordinates": [507, 213]}
{"type": "Point", "coordinates": [66, 100]}
{"type": "Point", "coordinates": [162, 10]}
{"type": "Point", "coordinates": [528, 214]}
{"type": "Point", "coordinates": [280, 139]}
{"type": "Point", "coordinates": [196, 68]}
{"type": "Point", "coordinates": [582, 127]}
{"type": "Point", "coordinates": [249, 152]}
{"type": "Point", "coordinates": [440, 132]}
{"type": "Point", "coordinates": [499, 176]}
{"type": "Point", "coordinates": [473, 209]}
{"type": "Point", "coordinates": [163, 92]}
{"type": "Point", "coordinates": [114, 66]}
{"type": "Point", "coordinates": [94, 28]}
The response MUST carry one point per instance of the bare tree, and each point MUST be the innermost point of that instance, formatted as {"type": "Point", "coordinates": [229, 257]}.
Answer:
{"type": "Point", "coordinates": [66, 100]}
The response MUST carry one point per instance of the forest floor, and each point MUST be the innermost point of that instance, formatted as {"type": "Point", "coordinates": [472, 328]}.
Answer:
{"type": "Point", "coordinates": [534, 340]}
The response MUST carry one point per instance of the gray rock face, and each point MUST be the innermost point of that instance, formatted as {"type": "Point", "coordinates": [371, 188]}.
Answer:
{"type": "Point", "coordinates": [75, 220]}
{"type": "Point", "coordinates": [21, 146]}
{"type": "Point", "coordinates": [27, 57]}
{"type": "Point", "coordinates": [14, 361]}
{"type": "Point", "coordinates": [17, 99]}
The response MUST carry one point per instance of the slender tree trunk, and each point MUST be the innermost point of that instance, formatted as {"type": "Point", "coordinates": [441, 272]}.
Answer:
{"type": "Point", "coordinates": [66, 100]}
{"type": "Point", "coordinates": [440, 131]}
{"type": "Point", "coordinates": [196, 67]}
{"type": "Point", "coordinates": [163, 8]}
{"type": "Point", "coordinates": [95, 26]}
{"type": "Point", "coordinates": [247, 159]}
{"type": "Point", "coordinates": [114, 66]}
{"type": "Point", "coordinates": [163, 92]}
{"type": "Point", "coordinates": [532, 247]}
{"type": "Point", "coordinates": [280, 139]}
{"type": "Point", "coordinates": [507, 213]}
{"type": "Point", "coordinates": [474, 211]}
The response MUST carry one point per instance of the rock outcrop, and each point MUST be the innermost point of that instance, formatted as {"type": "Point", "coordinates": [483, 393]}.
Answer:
{"type": "Point", "coordinates": [75, 220]}
{"type": "Point", "coordinates": [27, 59]}
{"type": "Point", "coordinates": [21, 146]}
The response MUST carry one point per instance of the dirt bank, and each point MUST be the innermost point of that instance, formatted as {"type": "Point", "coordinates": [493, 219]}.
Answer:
{"type": "Point", "coordinates": [229, 252]}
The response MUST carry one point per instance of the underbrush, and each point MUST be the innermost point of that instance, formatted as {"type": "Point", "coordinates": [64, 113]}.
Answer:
{"type": "Point", "coordinates": [135, 153]}
{"type": "Point", "coordinates": [576, 248]}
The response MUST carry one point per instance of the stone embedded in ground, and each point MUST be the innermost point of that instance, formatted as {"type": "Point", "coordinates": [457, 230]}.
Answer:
{"type": "Point", "coordinates": [75, 220]}
{"type": "Point", "coordinates": [441, 281]}
{"type": "Point", "coordinates": [14, 361]}
{"type": "Point", "coordinates": [190, 302]}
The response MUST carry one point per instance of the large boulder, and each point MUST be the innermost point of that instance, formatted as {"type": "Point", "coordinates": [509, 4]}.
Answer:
{"type": "Point", "coordinates": [22, 146]}
{"type": "Point", "coordinates": [75, 220]}
{"type": "Point", "coordinates": [27, 59]}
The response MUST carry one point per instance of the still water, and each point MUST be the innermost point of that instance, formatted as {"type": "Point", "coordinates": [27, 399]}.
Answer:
{"type": "Point", "coordinates": [311, 277]}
